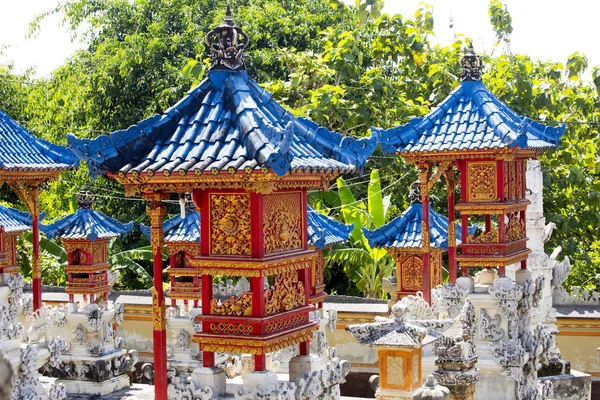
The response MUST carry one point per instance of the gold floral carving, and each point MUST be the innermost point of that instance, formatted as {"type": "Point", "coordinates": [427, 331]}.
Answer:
{"type": "Point", "coordinates": [412, 273]}
{"type": "Point", "coordinates": [255, 182]}
{"type": "Point", "coordinates": [481, 181]}
{"type": "Point", "coordinates": [241, 306]}
{"type": "Point", "coordinates": [71, 246]}
{"type": "Point", "coordinates": [285, 323]}
{"type": "Point", "coordinates": [230, 224]}
{"type": "Point", "coordinates": [436, 268]}
{"type": "Point", "coordinates": [492, 208]}
{"type": "Point", "coordinates": [425, 239]}
{"type": "Point", "coordinates": [515, 229]}
{"type": "Point", "coordinates": [287, 293]}
{"type": "Point", "coordinates": [159, 320]}
{"type": "Point", "coordinates": [98, 255]}
{"type": "Point", "coordinates": [192, 249]}
{"type": "Point", "coordinates": [282, 222]}
{"type": "Point", "coordinates": [451, 234]}
{"type": "Point", "coordinates": [487, 237]}
{"type": "Point", "coordinates": [483, 261]}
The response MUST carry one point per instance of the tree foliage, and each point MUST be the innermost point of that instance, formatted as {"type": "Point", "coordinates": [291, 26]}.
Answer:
{"type": "Point", "coordinates": [347, 67]}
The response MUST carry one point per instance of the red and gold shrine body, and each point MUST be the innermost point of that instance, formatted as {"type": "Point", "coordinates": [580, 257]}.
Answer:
{"type": "Point", "coordinates": [8, 252]}
{"type": "Point", "coordinates": [262, 237]}
{"type": "Point", "coordinates": [409, 269]}
{"type": "Point", "coordinates": [494, 189]}
{"type": "Point", "coordinates": [87, 268]}
{"type": "Point", "coordinates": [185, 283]}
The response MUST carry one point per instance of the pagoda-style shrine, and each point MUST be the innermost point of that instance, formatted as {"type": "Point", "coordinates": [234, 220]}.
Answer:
{"type": "Point", "coordinates": [249, 164]}
{"type": "Point", "coordinates": [402, 238]}
{"type": "Point", "coordinates": [85, 235]}
{"type": "Point", "coordinates": [323, 232]}
{"type": "Point", "coordinates": [25, 164]}
{"type": "Point", "coordinates": [12, 224]}
{"type": "Point", "coordinates": [489, 144]}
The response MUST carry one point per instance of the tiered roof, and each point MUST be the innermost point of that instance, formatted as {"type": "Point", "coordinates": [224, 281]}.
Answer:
{"type": "Point", "coordinates": [20, 151]}
{"type": "Point", "coordinates": [86, 224]}
{"type": "Point", "coordinates": [405, 231]}
{"type": "Point", "coordinates": [324, 231]}
{"type": "Point", "coordinates": [15, 221]}
{"type": "Point", "coordinates": [470, 118]}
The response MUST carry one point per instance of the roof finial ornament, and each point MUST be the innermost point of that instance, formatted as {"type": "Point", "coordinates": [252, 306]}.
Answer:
{"type": "Point", "coordinates": [471, 65]}
{"type": "Point", "coordinates": [85, 199]}
{"type": "Point", "coordinates": [414, 195]}
{"type": "Point", "coordinates": [227, 43]}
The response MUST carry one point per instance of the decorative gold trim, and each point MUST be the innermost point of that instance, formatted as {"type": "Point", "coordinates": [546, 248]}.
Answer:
{"type": "Point", "coordinates": [86, 269]}
{"type": "Point", "coordinates": [254, 345]}
{"type": "Point", "coordinates": [470, 261]}
{"type": "Point", "coordinates": [492, 208]}
{"type": "Point", "coordinates": [159, 320]}
{"type": "Point", "coordinates": [262, 183]}
{"type": "Point", "coordinates": [253, 267]}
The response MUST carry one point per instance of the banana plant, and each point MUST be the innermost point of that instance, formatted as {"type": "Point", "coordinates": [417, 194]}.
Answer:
{"type": "Point", "coordinates": [365, 266]}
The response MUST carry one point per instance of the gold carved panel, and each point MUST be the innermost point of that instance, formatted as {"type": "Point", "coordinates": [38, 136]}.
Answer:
{"type": "Point", "coordinates": [283, 222]}
{"type": "Point", "coordinates": [287, 293]}
{"type": "Point", "coordinates": [481, 181]}
{"type": "Point", "coordinates": [230, 224]}
{"type": "Point", "coordinates": [412, 273]}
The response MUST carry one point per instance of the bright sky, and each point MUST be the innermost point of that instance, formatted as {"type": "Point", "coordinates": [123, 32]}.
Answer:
{"type": "Point", "coordinates": [547, 29]}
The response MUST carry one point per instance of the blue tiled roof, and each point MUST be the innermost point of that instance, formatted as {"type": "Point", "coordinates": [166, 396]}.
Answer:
{"type": "Point", "coordinates": [470, 118]}
{"type": "Point", "coordinates": [405, 231]}
{"type": "Point", "coordinates": [86, 224]}
{"type": "Point", "coordinates": [227, 123]}
{"type": "Point", "coordinates": [324, 231]}
{"type": "Point", "coordinates": [14, 220]}
{"type": "Point", "coordinates": [179, 229]}
{"type": "Point", "coordinates": [19, 150]}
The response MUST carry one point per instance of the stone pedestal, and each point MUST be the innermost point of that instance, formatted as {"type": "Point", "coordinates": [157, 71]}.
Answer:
{"type": "Point", "coordinates": [300, 365]}
{"type": "Point", "coordinates": [91, 358]}
{"type": "Point", "coordinates": [210, 377]}
{"type": "Point", "coordinates": [256, 379]}
{"type": "Point", "coordinates": [183, 354]}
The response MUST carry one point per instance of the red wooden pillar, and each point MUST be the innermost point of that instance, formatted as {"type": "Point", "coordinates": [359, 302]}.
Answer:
{"type": "Point", "coordinates": [36, 271]}
{"type": "Point", "coordinates": [258, 310]}
{"type": "Point", "coordinates": [157, 212]}
{"type": "Point", "coordinates": [304, 277]}
{"type": "Point", "coordinates": [208, 357]}
{"type": "Point", "coordinates": [450, 190]}
{"type": "Point", "coordinates": [424, 170]}
{"type": "Point", "coordinates": [257, 285]}
{"type": "Point", "coordinates": [523, 218]}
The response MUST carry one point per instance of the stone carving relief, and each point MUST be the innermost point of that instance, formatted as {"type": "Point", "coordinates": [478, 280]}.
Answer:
{"type": "Point", "coordinates": [452, 298]}
{"type": "Point", "coordinates": [332, 322]}
{"type": "Point", "coordinates": [490, 326]}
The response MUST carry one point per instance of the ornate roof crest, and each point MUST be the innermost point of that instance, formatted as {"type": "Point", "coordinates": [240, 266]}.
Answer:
{"type": "Point", "coordinates": [227, 43]}
{"type": "Point", "coordinates": [471, 65]}
{"type": "Point", "coordinates": [85, 199]}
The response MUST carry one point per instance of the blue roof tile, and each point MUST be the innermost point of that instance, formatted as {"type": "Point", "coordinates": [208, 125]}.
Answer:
{"type": "Point", "coordinates": [19, 150]}
{"type": "Point", "coordinates": [86, 224]}
{"type": "Point", "coordinates": [405, 231]}
{"type": "Point", "coordinates": [179, 229]}
{"type": "Point", "coordinates": [15, 221]}
{"type": "Point", "coordinates": [324, 231]}
{"type": "Point", "coordinates": [228, 120]}
{"type": "Point", "coordinates": [471, 117]}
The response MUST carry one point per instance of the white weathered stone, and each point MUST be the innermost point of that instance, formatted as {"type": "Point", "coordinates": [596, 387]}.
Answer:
{"type": "Point", "coordinates": [300, 365]}
{"type": "Point", "coordinates": [213, 378]}
{"type": "Point", "coordinates": [257, 379]}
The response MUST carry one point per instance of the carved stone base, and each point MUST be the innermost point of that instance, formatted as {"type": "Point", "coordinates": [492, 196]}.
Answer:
{"type": "Point", "coordinates": [96, 388]}
{"type": "Point", "coordinates": [299, 365]}
{"type": "Point", "coordinates": [257, 379]}
{"type": "Point", "coordinates": [210, 377]}
{"type": "Point", "coordinates": [388, 394]}
{"type": "Point", "coordinates": [466, 282]}
{"type": "Point", "coordinates": [522, 275]}
{"type": "Point", "coordinates": [462, 392]}
{"type": "Point", "coordinates": [574, 386]}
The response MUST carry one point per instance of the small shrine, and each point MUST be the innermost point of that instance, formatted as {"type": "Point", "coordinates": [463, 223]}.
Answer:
{"type": "Point", "coordinates": [399, 341]}
{"type": "Point", "coordinates": [474, 134]}
{"type": "Point", "coordinates": [402, 238]}
{"type": "Point", "coordinates": [249, 164]}
{"type": "Point", "coordinates": [27, 162]}
{"type": "Point", "coordinates": [12, 224]}
{"type": "Point", "coordinates": [490, 145]}
{"type": "Point", "coordinates": [96, 362]}
{"type": "Point", "coordinates": [85, 235]}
